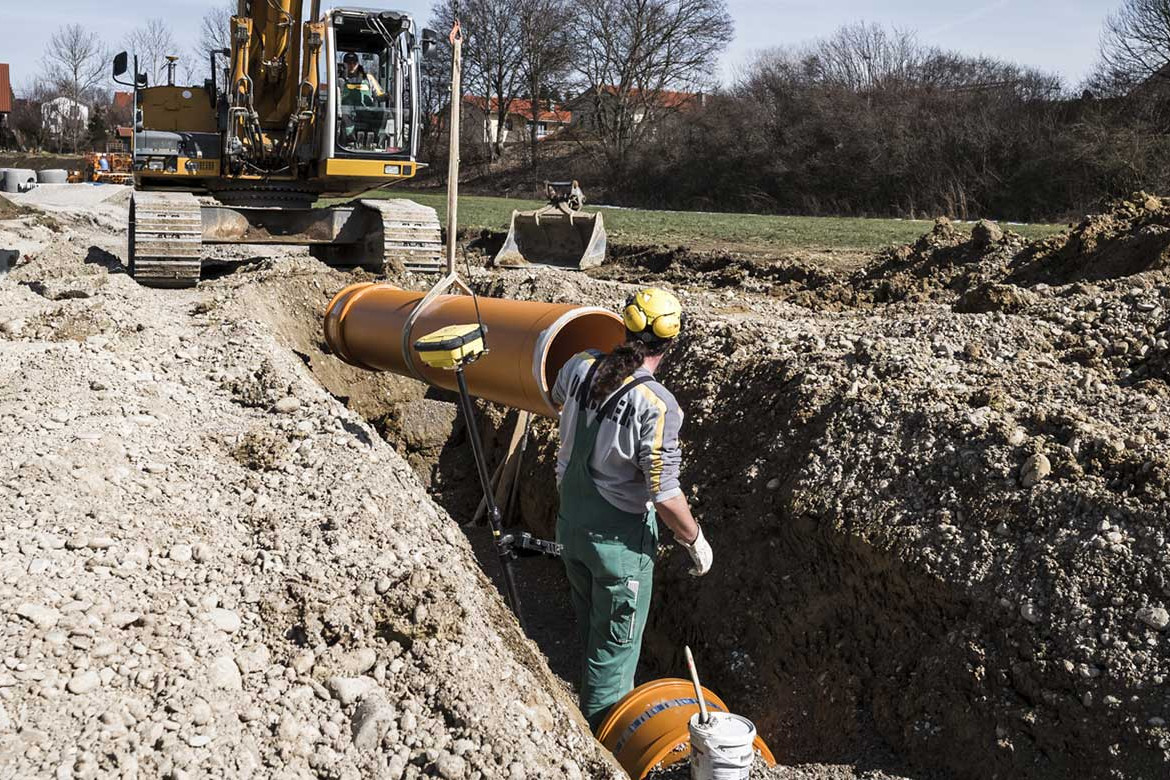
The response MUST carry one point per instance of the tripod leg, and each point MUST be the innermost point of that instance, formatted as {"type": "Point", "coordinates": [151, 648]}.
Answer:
{"type": "Point", "coordinates": [493, 511]}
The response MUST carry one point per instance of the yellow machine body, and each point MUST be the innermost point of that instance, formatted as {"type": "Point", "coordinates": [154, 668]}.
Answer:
{"type": "Point", "coordinates": [275, 108]}
{"type": "Point", "coordinates": [303, 104]}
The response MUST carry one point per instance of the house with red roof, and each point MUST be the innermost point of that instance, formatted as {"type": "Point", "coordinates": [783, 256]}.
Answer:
{"type": "Point", "coordinates": [518, 121]}
{"type": "Point", "coordinates": [642, 105]}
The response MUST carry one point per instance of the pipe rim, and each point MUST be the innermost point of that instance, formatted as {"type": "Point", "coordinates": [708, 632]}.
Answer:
{"type": "Point", "coordinates": [335, 316]}
{"type": "Point", "coordinates": [544, 341]}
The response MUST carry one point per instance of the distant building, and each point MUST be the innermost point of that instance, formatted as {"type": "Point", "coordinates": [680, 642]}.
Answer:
{"type": "Point", "coordinates": [123, 137]}
{"type": "Point", "coordinates": [643, 106]}
{"type": "Point", "coordinates": [5, 94]}
{"type": "Point", "coordinates": [517, 122]}
{"type": "Point", "coordinates": [123, 100]}
{"type": "Point", "coordinates": [62, 115]}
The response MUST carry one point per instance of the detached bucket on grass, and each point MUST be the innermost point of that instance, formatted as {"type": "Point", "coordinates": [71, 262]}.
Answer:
{"type": "Point", "coordinates": [722, 748]}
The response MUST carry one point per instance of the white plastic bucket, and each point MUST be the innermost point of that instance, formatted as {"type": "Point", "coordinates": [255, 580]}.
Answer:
{"type": "Point", "coordinates": [721, 748]}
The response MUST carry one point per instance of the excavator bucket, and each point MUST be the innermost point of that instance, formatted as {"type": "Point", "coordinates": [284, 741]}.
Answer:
{"type": "Point", "coordinates": [559, 234]}
{"type": "Point", "coordinates": [554, 236]}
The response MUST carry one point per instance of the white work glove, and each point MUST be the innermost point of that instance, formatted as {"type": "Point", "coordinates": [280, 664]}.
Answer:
{"type": "Point", "coordinates": [700, 553]}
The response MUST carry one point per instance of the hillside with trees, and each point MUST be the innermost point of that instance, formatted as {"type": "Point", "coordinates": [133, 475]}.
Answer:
{"type": "Point", "coordinates": [869, 121]}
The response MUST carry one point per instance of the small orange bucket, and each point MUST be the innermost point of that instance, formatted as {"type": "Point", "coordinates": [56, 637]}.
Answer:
{"type": "Point", "coordinates": [648, 726]}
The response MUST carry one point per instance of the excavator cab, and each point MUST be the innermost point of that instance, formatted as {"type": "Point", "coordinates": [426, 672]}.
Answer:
{"type": "Point", "coordinates": [370, 86]}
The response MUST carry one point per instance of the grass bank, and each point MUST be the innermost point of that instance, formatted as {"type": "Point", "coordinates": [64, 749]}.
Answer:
{"type": "Point", "coordinates": [707, 230]}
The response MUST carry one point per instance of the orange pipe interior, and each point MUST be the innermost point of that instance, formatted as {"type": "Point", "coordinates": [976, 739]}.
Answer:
{"type": "Point", "coordinates": [528, 341]}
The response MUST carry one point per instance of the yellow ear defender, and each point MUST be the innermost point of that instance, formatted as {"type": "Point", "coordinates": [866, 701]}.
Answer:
{"type": "Point", "coordinates": [653, 314]}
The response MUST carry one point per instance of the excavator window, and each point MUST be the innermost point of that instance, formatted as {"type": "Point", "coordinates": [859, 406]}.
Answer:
{"type": "Point", "coordinates": [369, 95]}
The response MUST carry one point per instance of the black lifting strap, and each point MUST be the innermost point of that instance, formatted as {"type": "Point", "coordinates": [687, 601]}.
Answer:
{"type": "Point", "coordinates": [611, 404]}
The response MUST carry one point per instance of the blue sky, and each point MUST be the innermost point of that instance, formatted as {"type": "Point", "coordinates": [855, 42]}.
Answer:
{"type": "Point", "coordinates": [1055, 35]}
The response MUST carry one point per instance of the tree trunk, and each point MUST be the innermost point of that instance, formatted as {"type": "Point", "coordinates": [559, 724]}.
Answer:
{"type": "Point", "coordinates": [534, 105]}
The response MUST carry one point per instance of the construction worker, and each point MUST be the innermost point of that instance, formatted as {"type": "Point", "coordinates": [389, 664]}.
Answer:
{"type": "Point", "coordinates": [618, 470]}
{"type": "Point", "coordinates": [359, 88]}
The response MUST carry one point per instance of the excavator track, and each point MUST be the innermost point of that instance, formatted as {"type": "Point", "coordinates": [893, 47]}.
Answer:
{"type": "Point", "coordinates": [411, 237]}
{"type": "Point", "coordinates": [165, 239]}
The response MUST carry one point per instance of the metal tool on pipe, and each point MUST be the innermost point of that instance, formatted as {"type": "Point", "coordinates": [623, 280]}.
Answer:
{"type": "Point", "coordinates": [454, 348]}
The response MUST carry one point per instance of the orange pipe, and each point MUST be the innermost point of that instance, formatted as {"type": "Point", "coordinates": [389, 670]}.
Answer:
{"type": "Point", "coordinates": [528, 341]}
{"type": "Point", "coordinates": [648, 727]}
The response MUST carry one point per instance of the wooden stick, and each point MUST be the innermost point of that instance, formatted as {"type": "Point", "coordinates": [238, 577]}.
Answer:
{"type": "Point", "coordinates": [453, 151]}
{"type": "Point", "coordinates": [508, 468]}
{"type": "Point", "coordinates": [704, 716]}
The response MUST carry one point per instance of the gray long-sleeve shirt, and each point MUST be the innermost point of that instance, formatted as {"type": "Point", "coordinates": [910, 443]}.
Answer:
{"type": "Point", "coordinates": [636, 457]}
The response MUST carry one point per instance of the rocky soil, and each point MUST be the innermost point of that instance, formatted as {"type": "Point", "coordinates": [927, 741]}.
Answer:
{"type": "Point", "coordinates": [936, 488]}
{"type": "Point", "coordinates": [937, 495]}
{"type": "Point", "coordinates": [211, 567]}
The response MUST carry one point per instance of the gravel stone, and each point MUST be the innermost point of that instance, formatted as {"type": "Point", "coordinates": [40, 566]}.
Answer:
{"type": "Point", "coordinates": [223, 673]}
{"type": "Point", "coordinates": [1156, 618]}
{"type": "Point", "coordinates": [225, 620]}
{"type": "Point", "coordinates": [83, 682]}
{"type": "Point", "coordinates": [371, 720]}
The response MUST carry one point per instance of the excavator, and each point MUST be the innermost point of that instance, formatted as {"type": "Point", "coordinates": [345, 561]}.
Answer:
{"type": "Point", "coordinates": [303, 104]}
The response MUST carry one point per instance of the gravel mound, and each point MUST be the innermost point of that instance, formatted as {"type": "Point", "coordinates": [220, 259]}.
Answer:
{"type": "Point", "coordinates": [211, 567]}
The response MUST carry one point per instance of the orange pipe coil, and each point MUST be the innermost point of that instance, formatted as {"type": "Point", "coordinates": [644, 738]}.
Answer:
{"type": "Point", "coordinates": [528, 341]}
{"type": "Point", "coordinates": [648, 727]}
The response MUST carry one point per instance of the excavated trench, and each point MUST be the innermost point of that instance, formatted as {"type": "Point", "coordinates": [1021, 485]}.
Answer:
{"type": "Point", "coordinates": [885, 594]}
{"type": "Point", "coordinates": [805, 680]}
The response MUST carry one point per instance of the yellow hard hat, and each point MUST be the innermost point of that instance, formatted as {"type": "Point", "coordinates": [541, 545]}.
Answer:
{"type": "Point", "coordinates": [653, 314]}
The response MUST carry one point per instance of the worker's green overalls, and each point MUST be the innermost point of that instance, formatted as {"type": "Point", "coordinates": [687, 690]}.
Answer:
{"type": "Point", "coordinates": [357, 93]}
{"type": "Point", "coordinates": [609, 560]}
{"type": "Point", "coordinates": [355, 96]}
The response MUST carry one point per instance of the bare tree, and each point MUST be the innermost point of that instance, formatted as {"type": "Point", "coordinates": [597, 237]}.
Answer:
{"type": "Point", "coordinates": [214, 29]}
{"type": "Point", "coordinates": [27, 121]}
{"type": "Point", "coordinates": [152, 43]}
{"type": "Point", "coordinates": [636, 56]}
{"type": "Point", "coordinates": [546, 58]}
{"type": "Point", "coordinates": [1135, 46]}
{"type": "Point", "coordinates": [75, 64]}
{"type": "Point", "coordinates": [433, 101]}
{"type": "Point", "coordinates": [866, 56]}
{"type": "Point", "coordinates": [492, 52]}
{"type": "Point", "coordinates": [868, 59]}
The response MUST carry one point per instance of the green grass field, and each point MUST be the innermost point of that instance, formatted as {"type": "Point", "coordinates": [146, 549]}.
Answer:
{"type": "Point", "coordinates": [705, 230]}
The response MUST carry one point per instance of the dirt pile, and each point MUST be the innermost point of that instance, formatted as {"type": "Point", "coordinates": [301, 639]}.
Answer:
{"type": "Point", "coordinates": [945, 532]}
{"type": "Point", "coordinates": [680, 266]}
{"type": "Point", "coordinates": [1130, 236]}
{"type": "Point", "coordinates": [211, 567]}
{"type": "Point", "coordinates": [995, 270]}
{"type": "Point", "coordinates": [9, 210]}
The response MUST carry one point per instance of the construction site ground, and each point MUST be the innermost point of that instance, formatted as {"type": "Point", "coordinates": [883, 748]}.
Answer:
{"type": "Point", "coordinates": [934, 478]}
{"type": "Point", "coordinates": [763, 236]}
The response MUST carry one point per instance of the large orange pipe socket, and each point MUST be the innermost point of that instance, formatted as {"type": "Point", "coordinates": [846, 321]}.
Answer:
{"type": "Point", "coordinates": [528, 341]}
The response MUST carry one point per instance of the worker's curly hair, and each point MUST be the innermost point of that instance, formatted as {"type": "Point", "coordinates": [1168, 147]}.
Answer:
{"type": "Point", "coordinates": [623, 361]}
